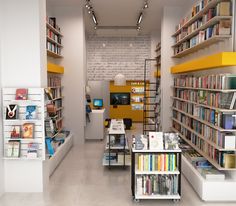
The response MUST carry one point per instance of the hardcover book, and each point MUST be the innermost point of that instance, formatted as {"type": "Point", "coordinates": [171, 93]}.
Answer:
{"type": "Point", "coordinates": [15, 132]}
{"type": "Point", "coordinates": [156, 140]}
{"type": "Point", "coordinates": [12, 111]}
{"type": "Point", "coordinates": [21, 94]}
{"type": "Point", "coordinates": [31, 112]}
{"type": "Point", "coordinates": [28, 130]}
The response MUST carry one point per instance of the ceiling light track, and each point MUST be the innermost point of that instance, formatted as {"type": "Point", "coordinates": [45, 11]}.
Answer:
{"type": "Point", "coordinates": [140, 17]}
{"type": "Point", "coordinates": [91, 12]}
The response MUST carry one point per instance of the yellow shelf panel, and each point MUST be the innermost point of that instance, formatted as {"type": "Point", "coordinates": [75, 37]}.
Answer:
{"type": "Point", "coordinates": [157, 73]}
{"type": "Point", "coordinates": [223, 59]}
{"type": "Point", "coordinates": [55, 68]}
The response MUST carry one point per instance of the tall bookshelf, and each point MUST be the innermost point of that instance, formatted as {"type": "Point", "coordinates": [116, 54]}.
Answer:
{"type": "Point", "coordinates": [208, 22]}
{"type": "Point", "coordinates": [54, 38]}
{"type": "Point", "coordinates": [201, 107]}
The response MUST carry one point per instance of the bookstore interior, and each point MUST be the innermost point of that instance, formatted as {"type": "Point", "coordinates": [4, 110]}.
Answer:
{"type": "Point", "coordinates": [117, 102]}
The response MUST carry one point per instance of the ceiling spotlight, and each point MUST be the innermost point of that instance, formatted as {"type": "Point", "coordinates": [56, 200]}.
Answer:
{"type": "Point", "coordinates": [140, 18]}
{"type": "Point", "coordinates": [138, 28]}
{"type": "Point", "coordinates": [94, 18]}
{"type": "Point", "coordinates": [95, 27]}
{"type": "Point", "coordinates": [145, 5]}
{"type": "Point", "coordinates": [89, 11]}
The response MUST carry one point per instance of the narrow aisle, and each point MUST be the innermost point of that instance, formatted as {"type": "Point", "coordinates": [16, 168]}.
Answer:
{"type": "Point", "coordinates": [81, 180]}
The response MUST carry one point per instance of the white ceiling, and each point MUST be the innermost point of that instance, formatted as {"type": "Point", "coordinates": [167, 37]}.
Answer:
{"type": "Point", "coordinates": [125, 12]}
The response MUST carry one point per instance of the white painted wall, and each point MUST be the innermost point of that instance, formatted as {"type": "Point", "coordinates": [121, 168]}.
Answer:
{"type": "Point", "coordinates": [70, 19]}
{"type": "Point", "coordinates": [1, 136]}
{"type": "Point", "coordinates": [171, 16]}
{"type": "Point", "coordinates": [23, 64]}
{"type": "Point", "coordinates": [23, 43]}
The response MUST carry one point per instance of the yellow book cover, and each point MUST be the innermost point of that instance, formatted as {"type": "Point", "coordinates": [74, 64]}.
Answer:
{"type": "Point", "coordinates": [158, 163]}
{"type": "Point", "coordinates": [224, 9]}
{"type": "Point", "coordinates": [167, 163]}
{"type": "Point", "coordinates": [230, 160]}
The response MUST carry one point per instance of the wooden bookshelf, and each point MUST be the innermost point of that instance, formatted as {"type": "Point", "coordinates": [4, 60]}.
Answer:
{"type": "Point", "coordinates": [54, 68]}
{"type": "Point", "coordinates": [53, 54]}
{"type": "Point", "coordinates": [54, 30]}
{"type": "Point", "coordinates": [206, 89]}
{"type": "Point", "coordinates": [53, 41]}
{"type": "Point", "coordinates": [203, 45]}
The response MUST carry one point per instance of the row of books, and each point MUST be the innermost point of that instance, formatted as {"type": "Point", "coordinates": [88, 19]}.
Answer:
{"type": "Point", "coordinates": [209, 98]}
{"type": "Point", "coordinates": [226, 159]}
{"type": "Point", "coordinates": [223, 140]}
{"type": "Point", "coordinates": [158, 162]}
{"type": "Point", "coordinates": [54, 81]}
{"type": "Point", "coordinates": [52, 35]}
{"type": "Point", "coordinates": [13, 149]}
{"type": "Point", "coordinates": [53, 48]}
{"type": "Point", "coordinates": [157, 185]}
{"type": "Point", "coordinates": [21, 131]}
{"type": "Point", "coordinates": [52, 22]}
{"type": "Point", "coordinates": [137, 106]}
{"type": "Point", "coordinates": [215, 81]}
{"type": "Point", "coordinates": [220, 29]}
{"type": "Point", "coordinates": [222, 9]}
{"type": "Point", "coordinates": [137, 99]}
{"type": "Point", "coordinates": [203, 166]}
{"type": "Point", "coordinates": [137, 90]}
{"type": "Point", "coordinates": [219, 119]}
{"type": "Point", "coordinates": [14, 111]}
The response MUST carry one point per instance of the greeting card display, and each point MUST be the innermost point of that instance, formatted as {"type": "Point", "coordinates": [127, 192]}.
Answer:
{"type": "Point", "coordinates": [12, 111]}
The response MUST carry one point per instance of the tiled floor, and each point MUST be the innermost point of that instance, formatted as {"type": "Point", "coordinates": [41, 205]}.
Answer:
{"type": "Point", "coordinates": [81, 180]}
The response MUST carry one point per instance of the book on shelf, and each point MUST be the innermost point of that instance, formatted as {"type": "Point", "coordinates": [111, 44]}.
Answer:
{"type": "Point", "coordinates": [223, 8]}
{"type": "Point", "coordinates": [28, 131]}
{"type": "Point", "coordinates": [50, 149]}
{"type": "Point", "coordinates": [229, 160]}
{"type": "Point", "coordinates": [31, 112]}
{"type": "Point", "coordinates": [157, 185]}
{"type": "Point", "coordinates": [15, 131]}
{"type": "Point", "coordinates": [211, 174]}
{"type": "Point", "coordinates": [157, 162]}
{"type": "Point", "coordinates": [13, 148]}
{"type": "Point", "coordinates": [12, 111]}
{"type": "Point", "coordinates": [21, 94]}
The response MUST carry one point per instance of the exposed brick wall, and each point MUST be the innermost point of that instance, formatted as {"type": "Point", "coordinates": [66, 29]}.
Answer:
{"type": "Point", "coordinates": [108, 56]}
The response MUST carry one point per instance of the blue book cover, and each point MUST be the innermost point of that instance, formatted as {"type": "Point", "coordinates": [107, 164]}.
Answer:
{"type": "Point", "coordinates": [31, 112]}
{"type": "Point", "coordinates": [49, 146]}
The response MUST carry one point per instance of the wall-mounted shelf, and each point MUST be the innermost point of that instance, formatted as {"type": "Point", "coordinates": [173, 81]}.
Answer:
{"type": "Point", "coordinates": [223, 59]}
{"type": "Point", "coordinates": [53, 68]}
{"type": "Point", "coordinates": [211, 22]}
{"type": "Point", "coordinates": [202, 45]}
{"type": "Point", "coordinates": [53, 41]}
{"type": "Point", "coordinates": [53, 54]}
{"type": "Point", "coordinates": [210, 5]}
{"type": "Point", "coordinates": [54, 30]}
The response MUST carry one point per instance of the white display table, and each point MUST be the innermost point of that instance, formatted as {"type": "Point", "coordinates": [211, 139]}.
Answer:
{"type": "Point", "coordinates": [95, 128]}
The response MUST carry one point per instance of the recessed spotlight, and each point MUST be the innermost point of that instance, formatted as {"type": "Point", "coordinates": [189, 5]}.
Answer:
{"type": "Point", "coordinates": [140, 18]}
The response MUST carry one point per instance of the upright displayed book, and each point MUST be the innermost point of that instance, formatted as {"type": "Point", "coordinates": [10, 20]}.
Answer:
{"type": "Point", "coordinates": [155, 171]}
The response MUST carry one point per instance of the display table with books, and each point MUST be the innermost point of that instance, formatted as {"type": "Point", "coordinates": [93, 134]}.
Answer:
{"type": "Point", "coordinates": [156, 167]}
{"type": "Point", "coordinates": [117, 149]}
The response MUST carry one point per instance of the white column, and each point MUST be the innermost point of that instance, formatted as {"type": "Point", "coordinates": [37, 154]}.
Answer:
{"type": "Point", "coordinates": [70, 19]}
{"type": "Point", "coordinates": [23, 64]}
{"type": "Point", "coordinates": [171, 17]}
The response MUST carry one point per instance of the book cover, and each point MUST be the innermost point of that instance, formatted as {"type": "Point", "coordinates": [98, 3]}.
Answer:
{"type": "Point", "coordinates": [15, 131]}
{"type": "Point", "coordinates": [13, 148]}
{"type": "Point", "coordinates": [21, 94]}
{"type": "Point", "coordinates": [229, 141]}
{"type": "Point", "coordinates": [49, 94]}
{"type": "Point", "coordinates": [224, 27]}
{"type": "Point", "coordinates": [230, 160]}
{"type": "Point", "coordinates": [32, 150]}
{"type": "Point", "coordinates": [31, 112]}
{"type": "Point", "coordinates": [12, 111]}
{"type": "Point", "coordinates": [156, 140]}
{"type": "Point", "coordinates": [28, 130]}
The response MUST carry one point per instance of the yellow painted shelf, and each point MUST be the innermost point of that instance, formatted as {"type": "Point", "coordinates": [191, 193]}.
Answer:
{"type": "Point", "coordinates": [157, 73]}
{"type": "Point", "coordinates": [223, 59]}
{"type": "Point", "coordinates": [53, 68]}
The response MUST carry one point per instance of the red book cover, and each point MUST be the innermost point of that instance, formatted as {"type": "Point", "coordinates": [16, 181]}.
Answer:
{"type": "Point", "coordinates": [21, 94]}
